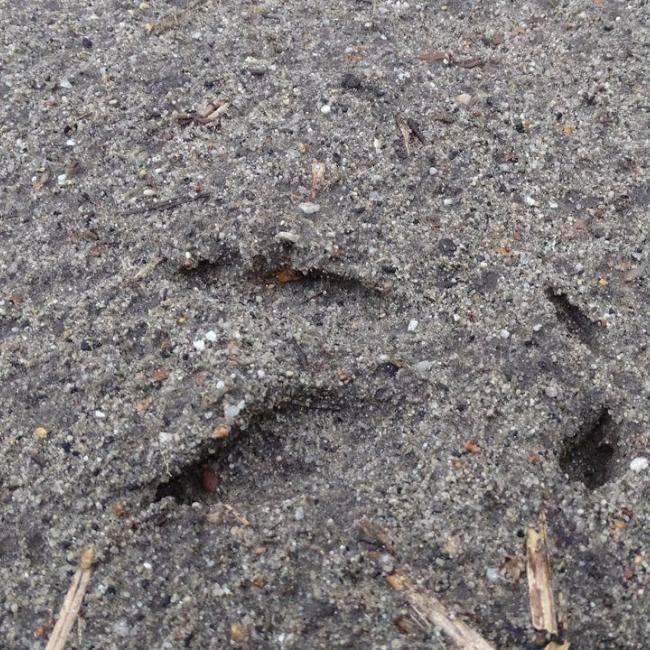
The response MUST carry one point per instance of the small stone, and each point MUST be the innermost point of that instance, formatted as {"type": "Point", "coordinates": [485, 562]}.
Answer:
{"type": "Point", "coordinates": [351, 81]}
{"type": "Point", "coordinates": [211, 336]}
{"type": "Point", "coordinates": [387, 563]}
{"type": "Point", "coordinates": [285, 235]}
{"type": "Point", "coordinates": [238, 633]}
{"type": "Point", "coordinates": [64, 83]}
{"type": "Point", "coordinates": [504, 334]}
{"type": "Point", "coordinates": [413, 325]}
{"type": "Point", "coordinates": [552, 392]}
{"type": "Point", "coordinates": [639, 464]}
{"type": "Point", "coordinates": [209, 480]}
{"type": "Point", "coordinates": [221, 431]}
{"type": "Point", "coordinates": [529, 200]}
{"type": "Point", "coordinates": [447, 246]}
{"type": "Point", "coordinates": [493, 574]}
{"type": "Point", "coordinates": [256, 68]}
{"type": "Point", "coordinates": [61, 179]}
{"type": "Point", "coordinates": [326, 109]}
{"type": "Point", "coordinates": [231, 411]}
{"type": "Point", "coordinates": [41, 433]}
{"type": "Point", "coordinates": [463, 99]}
{"type": "Point", "coordinates": [166, 439]}
{"type": "Point", "coordinates": [86, 42]}
{"type": "Point", "coordinates": [299, 514]}
{"type": "Point", "coordinates": [199, 345]}
{"type": "Point", "coordinates": [309, 208]}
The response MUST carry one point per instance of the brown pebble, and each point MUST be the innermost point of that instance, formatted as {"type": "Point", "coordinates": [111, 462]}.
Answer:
{"type": "Point", "coordinates": [238, 633]}
{"type": "Point", "coordinates": [221, 431]}
{"type": "Point", "coordinates": [209, 480]}
{"type": "Point", "coordinates": [160, 374]}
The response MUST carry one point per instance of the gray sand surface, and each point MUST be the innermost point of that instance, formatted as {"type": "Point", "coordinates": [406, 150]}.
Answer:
{"type": "Point", "coordinates": [274, 275]}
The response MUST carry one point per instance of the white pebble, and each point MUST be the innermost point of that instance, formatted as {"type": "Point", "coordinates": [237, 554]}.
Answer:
{"type": "Point", "coordinates": [639, 464]}
{"type": "Point", "coordinates": [166, 439]}
{"type": "Point", "coordinates": [211, 336]}
{"type": "Point", "coordinates": [504, 334]}
{"type": "Point", "coordinates": [100, 415]}
{"type": "Point", "coordinates": [325, 109]}
{"type": "Point", "coordinates": [413, 325]}
{"type": "Point", "coordinates": [299, 514]}
{"type": "Point", "coordinates": [530, 201]}
{"type": "Point", "coordinates": [231, 411]}
{"type": "Point", "coordinates": [70, 143]}
{"type": "Point", "coordinates": [61, 179]}
{"type": "Point", "coordinates": [199, 345]}
{"type": "Point", "coordinates": [64, 83]}
{"type": "Point", "coordinates": [493, 574]}
{"type": "Point", "coordinates": [551, 391]}
{"type": "Point", "coordinates": [432, 171]}
{"type": "Point", "coordinates": [309, 208]}
{"type": "Point", "coordinates": [463, 99]}
{"type": "Point", "coordinates": [285, 235]}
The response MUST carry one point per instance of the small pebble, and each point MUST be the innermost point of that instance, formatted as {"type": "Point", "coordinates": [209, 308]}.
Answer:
{"type": "Point", "coordinates": [299, 514]}
{"type": "Point", "coordinates": [552, 392]}
{"type": "Point", "coordinates": [639, 464]}
{"type": "Point", "coordinates": [209, 480]}
{"type": "Point", "coordinates": [493, 574]}
{"type": "Point", "coordinates": [504, 334]}
{"type": "Point", "coordinates": [211, 336]}
{"type": "Point", "coordinates": [309, 208]}
{"type": "Point", "coordinates": [231, 411]}
{"type": "Point", "coordinates": [326, 109]}
{"type": "Point", "coordinates": [463, 99]}
{"type": "Point", "coordinates": [285, 235]}
{"type": "Point", "coordinates": [413, 325]}
{"type": "Point", "coordinates": [387, 563]}
{"type": "Point", "coordinates": [199, 345]}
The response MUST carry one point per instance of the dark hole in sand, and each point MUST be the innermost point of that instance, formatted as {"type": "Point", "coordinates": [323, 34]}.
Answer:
{"type": "Point", "coordinates": [587, 456]}
{"type": "Point", "coordinates": [195, 482]}
{"type": "Point", "coordinates": [577, 323]}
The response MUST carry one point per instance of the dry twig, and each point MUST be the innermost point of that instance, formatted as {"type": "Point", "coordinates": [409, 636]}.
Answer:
{"type": "Point", "coordinates": [540, 587]}
{"type": "Point", "coordinates": [166, 205]}
{"type": "Point", "coordinates": [175, 19]}
{"type": "Point", "coordinates": [430, 610]}
{"type": "Point", "coordinates": [72, 602]}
